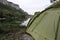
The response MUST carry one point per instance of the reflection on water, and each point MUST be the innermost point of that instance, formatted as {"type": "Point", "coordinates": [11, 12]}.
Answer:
{"type": "Point", "coordinates": [25, 22]}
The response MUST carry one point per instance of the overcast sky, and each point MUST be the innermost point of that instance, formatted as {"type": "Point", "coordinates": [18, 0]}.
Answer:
{"type": "Point", "coordinates": [32, 6]}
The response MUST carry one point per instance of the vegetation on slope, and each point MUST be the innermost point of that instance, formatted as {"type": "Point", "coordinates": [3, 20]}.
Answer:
{"type": "Point", "coordinates": [10, 18]}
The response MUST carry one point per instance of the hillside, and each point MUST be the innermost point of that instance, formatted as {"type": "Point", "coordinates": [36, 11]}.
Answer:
{"type": "Point", "coordinates": [10, 18]}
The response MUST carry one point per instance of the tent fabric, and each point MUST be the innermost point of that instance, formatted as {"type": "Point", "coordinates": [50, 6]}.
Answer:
{"type": "Point", "coordinates": [33, 18]}
{"type": "Point", "coordinates": [46, 26]}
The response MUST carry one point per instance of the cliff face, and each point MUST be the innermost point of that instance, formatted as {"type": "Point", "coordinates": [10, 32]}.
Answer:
{"type": "Point", "coordinates": [14, 5]}
{"type": "Point", "coordinates": [4, 1]}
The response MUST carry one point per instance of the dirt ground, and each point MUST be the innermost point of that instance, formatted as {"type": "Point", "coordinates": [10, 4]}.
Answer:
{"type": "Point", "coordinates": [13, 35]}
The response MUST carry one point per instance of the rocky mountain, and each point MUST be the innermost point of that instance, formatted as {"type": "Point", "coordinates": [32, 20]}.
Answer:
{"type": "Point", "coordinates": [10, 18]}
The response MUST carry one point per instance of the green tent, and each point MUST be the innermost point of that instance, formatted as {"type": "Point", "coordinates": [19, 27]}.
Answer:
{"type": "Point", "coordinates": [46, 24]}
